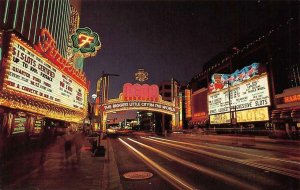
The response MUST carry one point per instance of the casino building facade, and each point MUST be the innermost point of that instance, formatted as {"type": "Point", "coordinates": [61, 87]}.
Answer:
{"type": "Point", "coordinates": [40, 89]}
{"type": "Point", "coordinates": [261, 74]}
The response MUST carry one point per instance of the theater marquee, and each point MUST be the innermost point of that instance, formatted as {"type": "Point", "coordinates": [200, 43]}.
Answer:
{"type": "Point", "coordinates": [252, 93]}
{"type": "Point", "coordinates": [28, 73]}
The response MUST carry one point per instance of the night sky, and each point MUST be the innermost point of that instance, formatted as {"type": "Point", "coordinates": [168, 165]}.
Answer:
{"type": "Point", "coordinates": [167, 39]}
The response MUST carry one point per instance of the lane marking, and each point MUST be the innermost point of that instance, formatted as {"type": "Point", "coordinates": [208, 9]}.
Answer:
{"type": "Point", "coordinates": [174, 180]}
{"type": "Point", "coordinates": [219, 149]}
{"type": "Point", "coordinates": [194, 166]}
{"type": "Point", "coordinates": [282, 171]}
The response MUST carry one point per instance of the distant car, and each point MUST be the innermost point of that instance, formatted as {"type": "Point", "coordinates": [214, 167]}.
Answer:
{"type": "Point", "coordinates": [124, 131]}
{"type": "Point", "coordinates": [110, 131]}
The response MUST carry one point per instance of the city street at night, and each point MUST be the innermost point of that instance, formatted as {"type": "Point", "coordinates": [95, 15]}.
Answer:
{"type": "Point", "coordinates": [178, 161]}
{"type": "Point", "coordinates": [149, 95]}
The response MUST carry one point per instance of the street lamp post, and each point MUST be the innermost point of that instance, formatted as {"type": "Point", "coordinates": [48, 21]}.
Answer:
{"type": "Point", "coordinates": [94, 96]}
{"type": "Point", "coordinates": [232, 113]}
{"type": "Point", "coordinates": [102, 94]}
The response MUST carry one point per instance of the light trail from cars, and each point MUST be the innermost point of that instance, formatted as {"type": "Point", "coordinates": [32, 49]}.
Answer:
{"type": "Point", "coordinates": [174, 180]}
{"type": "Point", "coordinates": [196, 167]}
{"type": "Point", "coordinates": [226, 150]}
{"type": "Point", "coordinates": [278, 170]}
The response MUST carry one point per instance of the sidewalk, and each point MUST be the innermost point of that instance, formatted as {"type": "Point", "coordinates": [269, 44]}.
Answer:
{"type": "Point", "coordinates": [263, 139]}
{"type": "Point", "coordinates": [84, 172]}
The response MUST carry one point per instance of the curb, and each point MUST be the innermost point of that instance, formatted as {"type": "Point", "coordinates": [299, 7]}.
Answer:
{"type": "Point", "coordinates": [111, 178]}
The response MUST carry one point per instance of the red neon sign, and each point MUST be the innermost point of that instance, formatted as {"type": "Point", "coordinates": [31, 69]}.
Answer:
{"type": "Point", "coordinates": [140, 92]}
{"type": "Point", "coordinates": [47, 47]}
{"type": "Point", "coordinates": [293, 98]}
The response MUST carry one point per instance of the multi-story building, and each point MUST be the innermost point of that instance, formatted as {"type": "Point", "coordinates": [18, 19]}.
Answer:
{"type": "Point", "coordinates": [165, 90]}
{"type": "Point", "coordinates": [28, 17]}
{"type": "Point", "coordinates": [172, 91]}
{"type": "Point", "coordinates": [39, 87]}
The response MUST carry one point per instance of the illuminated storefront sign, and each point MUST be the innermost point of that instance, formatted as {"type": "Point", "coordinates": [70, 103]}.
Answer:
{"type": "Point", "coordinates": [199, 105]}
{"type": "Point", "coordinates": [38, 123]}
{"type": "Point", "coordinates": [140, 92]}
{"type": "Point", "coordinates": [293, 98]}
{"type": "Point", "coordinates": [252, 93]}
{"type": "Point", "coordinates": [220, 81]}
{"type": "Point", "coordinates": [188, 108]}
{"type": "Point", "coordinates": [19, 123]}
{"type": "Point", "coordinates": [86, 42]}
{"type": "Point", "coordinates": [200, 115]}
{"type": "Point", "coordinates": [28, 73]}
{"type": "Point", "coordinates": [252, 115]}
{"type": "Point", "coordinates": [144, 105]}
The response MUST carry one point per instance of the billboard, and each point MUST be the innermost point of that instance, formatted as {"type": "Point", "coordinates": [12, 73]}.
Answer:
{"type": "Point", "coordinates": [249, 94]}
{"type": "Point", "coordinates": [28, 73]}
{"type": "Point", "coordinates": [252, 115]}
{"type": "Point", "coordinates": [221, 81]}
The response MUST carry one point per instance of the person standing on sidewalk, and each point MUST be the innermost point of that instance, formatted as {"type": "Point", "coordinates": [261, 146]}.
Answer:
{"type": "Point", "coordinates": [67, 144]}
{"type": "Point", "coordinates": [78, 141]}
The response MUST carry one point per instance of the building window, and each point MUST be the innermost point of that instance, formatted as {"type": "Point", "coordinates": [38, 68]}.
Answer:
{"type": "Point", "coordinates": [167, 94]}
{"type": "Point", "coordinates": [167, 86]}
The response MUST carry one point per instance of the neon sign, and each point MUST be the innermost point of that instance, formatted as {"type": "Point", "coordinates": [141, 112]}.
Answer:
{"type": "Point", "coordinates": [220, 81]}
{"type": "Point", "coordinates": [141, 75]}
{"type": "Point", "coordinates": [86, 42]}
{"type": "Point", "coordinates": [140, 92]}
{"type": "Point", "coordinates": [293, 98]}
{"type": "Point", "coordinates": [145, 105]}
{"type": "Point", "coordinates": [188, 108]}
{"type": "Point", "coordinates": [47, 47]}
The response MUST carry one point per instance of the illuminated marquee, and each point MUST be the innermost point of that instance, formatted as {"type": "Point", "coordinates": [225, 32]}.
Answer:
{"type": "Point", "coordinates": [28, 73]}
{"type": "Point", "coordinates": [252, 93]}
{"type": "Point", "coordinates": [145, 105]}
{"type": "Point", "coordinates": [258, 114]}
{"type": "Point", "coordinates": [140, 92]}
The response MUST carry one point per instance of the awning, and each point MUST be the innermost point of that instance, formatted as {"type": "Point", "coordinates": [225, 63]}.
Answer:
{"type": "Point", "coordinates": [284, 114]}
